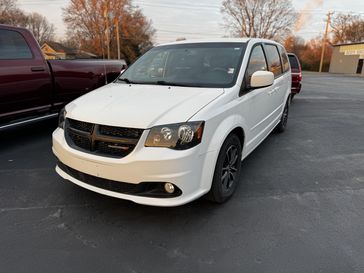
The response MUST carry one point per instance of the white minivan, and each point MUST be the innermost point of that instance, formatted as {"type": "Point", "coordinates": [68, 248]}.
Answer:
{"type": "Point", "coordinates": [177, 123]}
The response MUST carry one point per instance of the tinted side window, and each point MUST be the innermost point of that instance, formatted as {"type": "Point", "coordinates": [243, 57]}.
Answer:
{"type": "Point", "coordinates": [274, 61]}
{"type": "Point", "coordinates": [294, 62]}
{"type": "Point", "coordinates": [284, 58]}
{"type": "Point", "coordinates": [13, 46]}
{"type": "Point", "coordinates": [257, 62]}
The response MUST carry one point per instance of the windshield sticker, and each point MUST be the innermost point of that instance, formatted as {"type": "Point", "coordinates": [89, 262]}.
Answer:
{"type": "Point", "coordinates": [231, 71]}
{"type": "Point", "coordinates": [237, 48]}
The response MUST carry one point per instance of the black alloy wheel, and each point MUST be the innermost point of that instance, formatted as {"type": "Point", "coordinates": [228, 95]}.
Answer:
{"type": "Point", "coordinates": [281, 127]}
{"type": "Point", "coordinates": [227, 170]}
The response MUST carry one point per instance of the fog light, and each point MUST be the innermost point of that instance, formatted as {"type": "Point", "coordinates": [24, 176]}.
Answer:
{"type": "Point", "coordinates": [168, 187]}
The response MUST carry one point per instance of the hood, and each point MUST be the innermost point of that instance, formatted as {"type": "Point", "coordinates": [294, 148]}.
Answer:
{"type": "Point", "coordinates": [140, 106]}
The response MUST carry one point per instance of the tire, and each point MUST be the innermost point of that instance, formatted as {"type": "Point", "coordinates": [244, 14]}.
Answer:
{"type": "Point", "coordinates": [282, 125]}
{"type": "Point", "coordinates": [292, 96]}
{"type": "Point", "coordinates": [227, 170]}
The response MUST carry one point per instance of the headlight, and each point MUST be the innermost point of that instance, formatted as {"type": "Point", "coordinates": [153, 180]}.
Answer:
{"type": "Point", "coordinates": [62, 118]}
{"type": "Point", "coordinates": [178, 136]}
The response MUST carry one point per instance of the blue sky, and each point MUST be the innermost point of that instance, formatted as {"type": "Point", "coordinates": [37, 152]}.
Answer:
{"type": "Point", "coordinates": [197, 19]}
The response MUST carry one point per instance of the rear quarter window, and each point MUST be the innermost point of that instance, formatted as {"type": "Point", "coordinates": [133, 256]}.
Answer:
{"type": "Point", "coordinates": [284, 58]}
{"type": "Point", "coordinates": [274, 61]}
{"type": "Point", "coordinates": [13, 46]}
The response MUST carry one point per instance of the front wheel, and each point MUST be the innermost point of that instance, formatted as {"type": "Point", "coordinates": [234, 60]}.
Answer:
{"type": "Point", "coordinates": [227, 170]}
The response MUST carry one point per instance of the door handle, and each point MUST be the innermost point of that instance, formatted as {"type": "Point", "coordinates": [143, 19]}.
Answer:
{"type": "Point", "coordinates": [37, 69]}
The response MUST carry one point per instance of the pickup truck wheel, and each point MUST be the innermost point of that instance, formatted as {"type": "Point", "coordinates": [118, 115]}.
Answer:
{"type": "Point", "coordinates": [281, 127]}
{"type": "Point", "coordinates": [227, 170]}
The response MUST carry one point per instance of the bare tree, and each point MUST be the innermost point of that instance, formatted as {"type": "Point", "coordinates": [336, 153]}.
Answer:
{"type": "Point", "coordinates": [347, 28]}
{"type": "Point", "coordinates": [7, 6]}
{"type": "Point", "coordinates": [10, 13]}
{"type": "Point", "coordinates": [294, 44]}
{"type": "Point", "coordinates": [310, 55]}
{"type": "Point", "coordinates": [93, 25]}
{"type": "Point", "coordinates": [270, 19]}
{"type": "Point", "coordinates": [40, 27]}
{"type": "Point", "coordinates": [70, 41]}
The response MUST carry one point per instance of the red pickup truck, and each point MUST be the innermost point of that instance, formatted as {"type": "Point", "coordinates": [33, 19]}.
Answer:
{"type": "Point", "coordinates": [33, 88]}
{"type": "Point", "coordinates": [296, 72]}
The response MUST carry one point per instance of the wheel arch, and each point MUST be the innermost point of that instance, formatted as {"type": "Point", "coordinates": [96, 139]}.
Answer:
{"type": "Point", "coordinates": [227, 127]}
{"type": "Point", "coordinates": [239, 131]}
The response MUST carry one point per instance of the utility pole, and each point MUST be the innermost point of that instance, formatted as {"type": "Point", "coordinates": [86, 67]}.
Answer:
{"type": "Point", "coordinates": [107, 31]}
{"type": "Point", "coordinates": [117, 36]}
{"type": "Point", "coordinates": [324, 40]}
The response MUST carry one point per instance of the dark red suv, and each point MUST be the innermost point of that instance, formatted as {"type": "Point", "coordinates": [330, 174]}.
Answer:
{"type": "Point", "coordinates": [296, 74]}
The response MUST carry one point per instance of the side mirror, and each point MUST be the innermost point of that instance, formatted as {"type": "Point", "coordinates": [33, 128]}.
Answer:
{"type": "Point", "coordinates": [261, 79]}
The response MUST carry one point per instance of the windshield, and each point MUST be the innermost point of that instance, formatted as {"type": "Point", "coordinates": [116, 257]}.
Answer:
{"type": "Point", "coordinates": [195, 65]}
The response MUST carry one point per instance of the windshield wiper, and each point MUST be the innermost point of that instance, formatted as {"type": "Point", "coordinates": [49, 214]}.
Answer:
{"type": "Point", "coordinates": [175, 84]}
{"type": "Point", "coordinates": [158, 83]}
{"type": "Point", "coordinates": [125, 80]}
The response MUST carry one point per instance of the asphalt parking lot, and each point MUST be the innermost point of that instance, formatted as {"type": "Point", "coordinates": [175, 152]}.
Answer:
{"type": "Point", "coordinates": [299, 206]}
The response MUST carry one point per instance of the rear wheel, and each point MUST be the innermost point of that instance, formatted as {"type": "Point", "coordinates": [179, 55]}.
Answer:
{"type": "Point", "coordinates": [281, 127]}
{"type": "Point", "coordinates": [227, 170]}
{"type": "Point", "coordinates": [292, 96]}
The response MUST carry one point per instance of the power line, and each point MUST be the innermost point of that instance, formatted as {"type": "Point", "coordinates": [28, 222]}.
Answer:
{"type": "Point", "coordinates": [174, 5]}
{"type": "Point", "coordinates": [185, 32]}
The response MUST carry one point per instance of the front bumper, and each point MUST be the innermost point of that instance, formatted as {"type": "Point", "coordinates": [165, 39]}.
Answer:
{"type": "Point", "coordinates": [185, 169]}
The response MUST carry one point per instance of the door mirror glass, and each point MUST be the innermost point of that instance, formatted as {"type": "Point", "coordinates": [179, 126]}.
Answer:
{"type": "Point", "coordinates": [261, 79]}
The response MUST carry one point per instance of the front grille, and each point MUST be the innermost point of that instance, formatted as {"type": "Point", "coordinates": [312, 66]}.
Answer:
{"type": "Point", "coordinates": [81, 125]}
{"type": "Point", "coordinates": [103, 140]}
{"type": "Point", "coordinates": [120, 132]}
{"type": "Point", "coordinates": [79, 141]}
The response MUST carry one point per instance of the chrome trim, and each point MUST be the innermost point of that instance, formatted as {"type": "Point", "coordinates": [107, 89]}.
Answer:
{"type": "Point", "coordinates": [19, 123]}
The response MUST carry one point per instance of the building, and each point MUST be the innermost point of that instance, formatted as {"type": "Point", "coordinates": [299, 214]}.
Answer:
{"type": "Point", "coordinates": [57, 51]}
{"type": "Point", "coordinates": [348, 59]}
